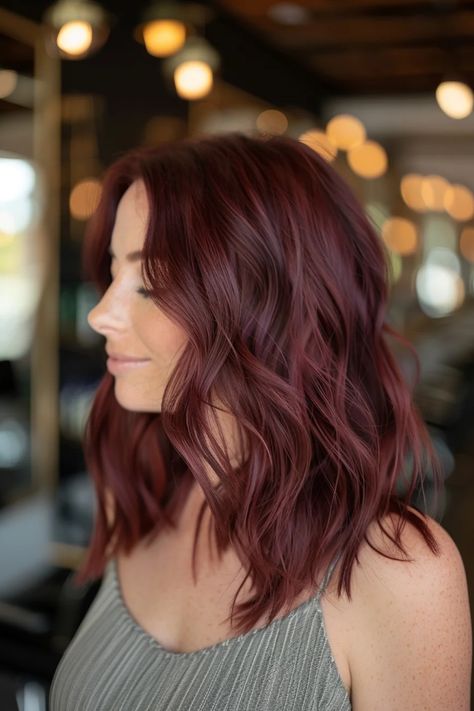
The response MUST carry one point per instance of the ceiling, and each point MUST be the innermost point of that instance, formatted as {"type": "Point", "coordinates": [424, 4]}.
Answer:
{"type": "Point", "coordinates": [351, 47]}
{"type": "Point", "coordinates": [371, 46]}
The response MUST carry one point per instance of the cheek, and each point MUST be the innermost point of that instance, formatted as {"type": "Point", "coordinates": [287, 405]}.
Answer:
{"type": "Point", "coordinates": [162, 339]}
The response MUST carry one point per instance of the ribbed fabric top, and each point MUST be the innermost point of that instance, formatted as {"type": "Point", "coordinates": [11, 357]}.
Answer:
{"type": "Point", "coordinates": [113, 664]}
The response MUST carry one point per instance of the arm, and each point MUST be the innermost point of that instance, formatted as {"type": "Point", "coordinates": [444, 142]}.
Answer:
{"type": "Point", "coordinates": [412, 644]}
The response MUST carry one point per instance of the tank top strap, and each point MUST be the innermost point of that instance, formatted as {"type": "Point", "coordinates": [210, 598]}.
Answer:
{"type": "Point", "coordinates": [327, 576]}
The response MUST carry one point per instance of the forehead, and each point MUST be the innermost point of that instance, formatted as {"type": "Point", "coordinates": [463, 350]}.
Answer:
{"type": "Point", "coordinates": [130, 220]}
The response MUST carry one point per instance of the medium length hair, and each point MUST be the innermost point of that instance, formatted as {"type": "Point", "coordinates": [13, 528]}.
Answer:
{"type": "Point", "coordinates": [259, 249]}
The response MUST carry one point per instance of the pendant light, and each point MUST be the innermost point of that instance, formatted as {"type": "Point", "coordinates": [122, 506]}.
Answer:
{"type": "Point", "coordinates": [166, 24]}
{"type": "Point", "coordinates": [192, 68]}
{"type": "Point", "coordinates": [75, 28]}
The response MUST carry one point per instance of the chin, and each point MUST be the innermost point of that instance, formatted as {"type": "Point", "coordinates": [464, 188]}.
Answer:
{"type": "Point", "coordinates": [134, 404]}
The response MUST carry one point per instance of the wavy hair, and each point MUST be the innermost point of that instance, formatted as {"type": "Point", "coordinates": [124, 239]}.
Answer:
{"type": "Point", "coordinates": [259, 249]}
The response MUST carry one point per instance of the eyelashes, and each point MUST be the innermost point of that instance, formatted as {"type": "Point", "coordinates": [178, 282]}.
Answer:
{"type": "Point", "coordinates": [143, 292]}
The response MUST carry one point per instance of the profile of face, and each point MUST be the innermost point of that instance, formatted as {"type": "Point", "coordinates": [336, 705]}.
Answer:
{"type": "Point", "coordinates": [133, 325]}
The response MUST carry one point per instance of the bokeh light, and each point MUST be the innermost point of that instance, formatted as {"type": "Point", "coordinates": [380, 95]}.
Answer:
{"type": "Point", "coordinates": [369, 160]}
{"type": "Point", "coordinates": [345, 131]}
{"type": "Point", "coordinates": [400, 235]}
{"type": "Point", "coordinates": [319, 142]}
{"type": "Point", "coordinates": [84, 198]}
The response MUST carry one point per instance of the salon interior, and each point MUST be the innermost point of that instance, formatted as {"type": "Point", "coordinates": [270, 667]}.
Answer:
{"type": "Point", "coordinates": [383, 89]}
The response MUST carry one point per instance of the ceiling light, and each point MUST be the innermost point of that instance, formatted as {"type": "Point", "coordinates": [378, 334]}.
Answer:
{"type": "Point", "coordinates": [410, 190]}
{"type": "Point", "coordinates": [400, 235]}
{"type": "Point", "coordinates": [166, 24]}
{"type": "Point", "coordinates": [455, 99]}
{"type": "Point", "coordinates": [75, 28]}
{"type": "Point", "coordinates": [459, 202]}
{"type": "Point", "coordinates": [433, 191]}
{"type": "Point", "coordinates": [164, 37]}
{"type": "Point", "coordinates": [369, 160]}
{"type": "Point", "coordinates": [345, 131]}
{"type": "Point", "coordinates": [192, 68]}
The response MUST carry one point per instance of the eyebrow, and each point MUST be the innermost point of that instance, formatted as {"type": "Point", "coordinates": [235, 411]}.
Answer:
{"type": "Point", "coordinates": [130, 257]}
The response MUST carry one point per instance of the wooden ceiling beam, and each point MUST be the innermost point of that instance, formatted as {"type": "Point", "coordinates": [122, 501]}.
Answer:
{"type": "Point", "coordinates": [374, 30]}
{"type": "Point", "coordinates": [356, 9]}
{"type": "Point", "coordinates": [387, 61]}
{"type": "Point", "coordinates": [259, 8]}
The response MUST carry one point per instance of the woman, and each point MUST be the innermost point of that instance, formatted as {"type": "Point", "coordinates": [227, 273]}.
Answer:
{"type": "Point", "coordinates": [264, 407]}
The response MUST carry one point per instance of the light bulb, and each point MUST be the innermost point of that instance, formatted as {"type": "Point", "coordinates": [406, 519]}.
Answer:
{"type": "Point", "coordinates": [455, 99]}
{"type": "Point", "coordinates": [164, 37]}
{"type": "Point", "coordinates": [193, 79]}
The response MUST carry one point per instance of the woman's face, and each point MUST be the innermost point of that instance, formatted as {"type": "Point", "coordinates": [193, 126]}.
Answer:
{"type": "Point", "coordinates": [132, 324]}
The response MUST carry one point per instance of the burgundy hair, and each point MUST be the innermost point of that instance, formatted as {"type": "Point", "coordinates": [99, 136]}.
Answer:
{"type": "Point", "coordinates": [259, 249]}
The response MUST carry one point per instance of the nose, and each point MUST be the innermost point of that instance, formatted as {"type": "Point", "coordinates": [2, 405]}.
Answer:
{"type": "Point", "coordinates": [106, 315]}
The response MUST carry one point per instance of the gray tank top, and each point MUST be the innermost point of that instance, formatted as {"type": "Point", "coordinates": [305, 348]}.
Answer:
{"type": "Point", "coordinates": [112, 664]}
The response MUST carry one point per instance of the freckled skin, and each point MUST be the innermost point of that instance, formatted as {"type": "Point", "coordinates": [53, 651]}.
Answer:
{"type": "Point", "coordinates": [411, 641]}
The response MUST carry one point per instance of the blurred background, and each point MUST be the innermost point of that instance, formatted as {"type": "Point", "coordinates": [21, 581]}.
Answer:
{"type": "Point", "coordinates": [382, 88]}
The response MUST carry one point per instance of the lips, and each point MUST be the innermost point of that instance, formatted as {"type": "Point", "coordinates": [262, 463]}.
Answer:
{"type": "Point", "coordinates": [125, 358]}
{"type": "Point", "coordinates": [119, 366]}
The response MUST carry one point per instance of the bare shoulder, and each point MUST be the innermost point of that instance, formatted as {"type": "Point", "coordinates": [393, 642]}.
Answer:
{"type": "Point", "coordinates": [421, 560]}
{"type": "Point", "coordinates": [410, 643]}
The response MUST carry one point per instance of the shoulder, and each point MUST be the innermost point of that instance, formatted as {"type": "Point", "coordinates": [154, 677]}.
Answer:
{"type": "Point", "coordinates": [410, 642]}
{"type": "Point", "coordinates": [421, 564]}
